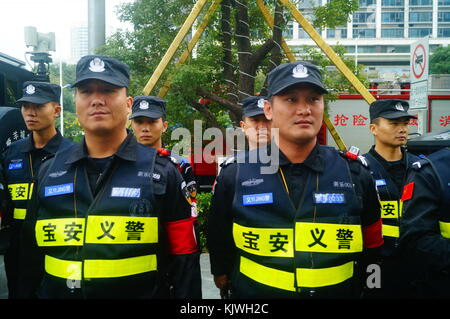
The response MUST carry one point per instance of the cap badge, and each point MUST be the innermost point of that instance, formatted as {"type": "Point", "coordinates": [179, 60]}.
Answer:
{"type": "Point", "coordinates": [399, 107]}
{"type": "Point", "coordinates": [143, 105]}
{"type": "Point", "coordinates": [261, 103]}
{"type": "Point", "coordinates": [30, 89]}
{"type": "Point", "coordinates": [97, 65]}
{"type": "Point", "coordinates": [300, 71]}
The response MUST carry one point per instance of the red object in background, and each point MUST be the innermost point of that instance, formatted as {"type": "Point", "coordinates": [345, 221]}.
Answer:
{"type": "Point", "coordinates": [373, 88]}
{"type": "Point", "coordinates": [405, 88]}
{"type": "Point", "coordinates": [204, 101]}
{"type": "Point", "coordinates": [322, 136]}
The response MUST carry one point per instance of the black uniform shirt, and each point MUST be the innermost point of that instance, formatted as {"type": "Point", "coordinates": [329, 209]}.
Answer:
{"type": "Point", "coordinates": [395, 169]}
{"type": "Point", "coordinates": [220, 221]}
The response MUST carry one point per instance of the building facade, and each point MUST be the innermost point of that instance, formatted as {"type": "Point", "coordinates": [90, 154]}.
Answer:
{"type": "Point", "coordinates": [380, 32]}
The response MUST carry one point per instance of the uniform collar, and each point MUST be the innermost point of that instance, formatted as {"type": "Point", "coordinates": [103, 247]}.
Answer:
{"type": "Point", "coordinates": [126, 151]}
{"type": "Point", "coordinates": [51, 147]}
{"type": "Point", "coordinates": [381, 159]}
{"type": "Point", "coordinates": [315, 160]}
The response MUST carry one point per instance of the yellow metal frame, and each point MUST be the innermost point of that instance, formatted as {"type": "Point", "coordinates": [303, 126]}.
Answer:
{"type": "Point", "coordinates": [174, 46]}
{"type": "Point", "coordinates": [334, 58]}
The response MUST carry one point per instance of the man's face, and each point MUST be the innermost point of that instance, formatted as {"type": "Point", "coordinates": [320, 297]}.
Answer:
{"type": "Point", "coordinates": [257, 129]}
{"type": "Point", "coordinates": [148, 131]}
{"type": "Point", "coordinates": [297, 112]}
{"type": "Point", "coordinates": [39, 117]}
{"type": "Point", "coordinates": [102, 107]}
{"type": "Point", "coordinates": [392, 133]}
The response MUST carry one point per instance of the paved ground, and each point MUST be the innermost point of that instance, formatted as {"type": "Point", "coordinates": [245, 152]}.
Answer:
{"type": "Point", "coordinates": [209, 289]}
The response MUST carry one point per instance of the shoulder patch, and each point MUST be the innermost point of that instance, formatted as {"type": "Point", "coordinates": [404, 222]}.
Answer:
{"type": "Point", "coordinates": [354, 157]}
{"type": "Point", "coordinates": [420, 163]}
{"type": "Point", "coordinates": [228, 161]}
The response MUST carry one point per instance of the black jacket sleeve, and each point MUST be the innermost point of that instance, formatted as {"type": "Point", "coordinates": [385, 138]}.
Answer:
{"type": "Point", "coordinates": [220, 242]}
{"type": "Point", "coordinates": [183, 256]}
{"type": "Point", "coordinates": [420, 239]}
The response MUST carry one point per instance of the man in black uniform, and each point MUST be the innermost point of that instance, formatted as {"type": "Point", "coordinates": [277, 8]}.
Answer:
{"type": "Point", "coordinates": [425, 226]}
{"type": "Point", "coordinates": [148, 121]}
{"type": "Point", "coordinates": [110, 218]}
{"type": "Point", "coordinates": [254, 123]}
{"type": "Point", "coordinates": [298, 232]}
{"type": "Point", "coordinates": [22, 159]}
{"type": "Point", "coordinates": [388, 161]}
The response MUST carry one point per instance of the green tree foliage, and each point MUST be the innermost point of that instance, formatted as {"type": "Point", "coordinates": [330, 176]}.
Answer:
{"type": "Point", "coordinates": [440, 61]}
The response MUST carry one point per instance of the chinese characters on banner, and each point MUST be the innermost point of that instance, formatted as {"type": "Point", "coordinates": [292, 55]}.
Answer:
{"type": "Point", "coordinates": [361, 120]}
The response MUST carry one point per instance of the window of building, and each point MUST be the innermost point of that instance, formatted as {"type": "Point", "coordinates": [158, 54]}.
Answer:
{"type": "Point", "coordinates": [444, 16]}
{"type": "Point", "coordinates": [364, 17]}
{"type": "Point", "coordinates": [420, 2]}
{"type": "Point", "coordinates": [392, 3]}
{"type": "Point", "coordinates": [420, 16]}
{"type": "Point", "coordinates": [302, 34]}
{"type": "Point", "coordinates": [392, 33]}
{"type": "Point", "coordinates": [289, 31]}
{"type": "Point", "coordinates": [367, 3]}
{"type": "Point", "coordinates": [364, 33]}
{"type": "Point", "coordinates": [419, 32]}
{"type": "Point", "coordinates": [444, 3]}
{"type": "Point", "coordinates": [331, 33]}
{"type": "Point", "coordinates": [443, 32]}
{"type": "Point", "coordinates": [392, 17]}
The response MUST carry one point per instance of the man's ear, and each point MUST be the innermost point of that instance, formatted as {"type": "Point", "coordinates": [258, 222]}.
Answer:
{"type": "Point", "coordinates": [268, 109]}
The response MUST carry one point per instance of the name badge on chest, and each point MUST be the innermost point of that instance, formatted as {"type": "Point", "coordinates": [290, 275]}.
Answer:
{"type": "Point", "coordinates": [257, 199]}
{"type": "Point", "coordinates": [127, 192]}
{"type": "Point", "coordinates": [329, 198]}
{"type": "Point", "coordinates": [14, 166]}
{"type": "Point", "coordinates": [380, 182]}
{"type": "Point", "coordinates": [58, 190]}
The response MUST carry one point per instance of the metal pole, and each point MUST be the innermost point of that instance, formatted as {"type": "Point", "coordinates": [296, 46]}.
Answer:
{"type": "Point", "coordinates": [96, 24]}
{"type": "Point", "coordinates": [174, 46]}
{"type": "Point", "coordinates": [198, 33]}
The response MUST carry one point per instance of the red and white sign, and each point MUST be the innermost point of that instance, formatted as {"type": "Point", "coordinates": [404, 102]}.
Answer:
{"type": "Point", "coordinates": [419, 62]}
{"type": "Point", "coordinates": [419, 75]}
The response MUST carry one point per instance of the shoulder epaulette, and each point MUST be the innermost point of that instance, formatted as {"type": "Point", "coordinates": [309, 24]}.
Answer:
{"type": "Point", "coordinates": [420, 163]}
{"type": "Point", "coordinates": [353, 155]}
{"type": "Point", "coordinates": [167, 154]}
{"type": "Point", "coordinates": [228, 160]}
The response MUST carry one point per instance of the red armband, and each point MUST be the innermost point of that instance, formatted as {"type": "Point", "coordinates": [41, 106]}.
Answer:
{"type": "Point", "coordinates": [372, 235]}
{"type": "Point", "coordinates": [181, 236]}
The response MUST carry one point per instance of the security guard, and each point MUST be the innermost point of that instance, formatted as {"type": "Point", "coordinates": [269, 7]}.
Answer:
{"type": "Point", "coordinates": [298, 232]}
{"type": "Point", "coordinates": [425, 226]}
{"type": "Point", "coordinates": [148, 121]}
{"type": "Point", "coordinates": [110, 219]}
{"type": "Point", "coordinates": [22, 159]}
{"type": "Point", "coordinates": [254, 123]}
{"type": "Point", "coordinates": [389, 161]}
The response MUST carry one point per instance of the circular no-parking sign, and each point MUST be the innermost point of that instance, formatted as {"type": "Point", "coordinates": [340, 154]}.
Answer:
{"type": "Point", "coordinates": [419, 61]}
